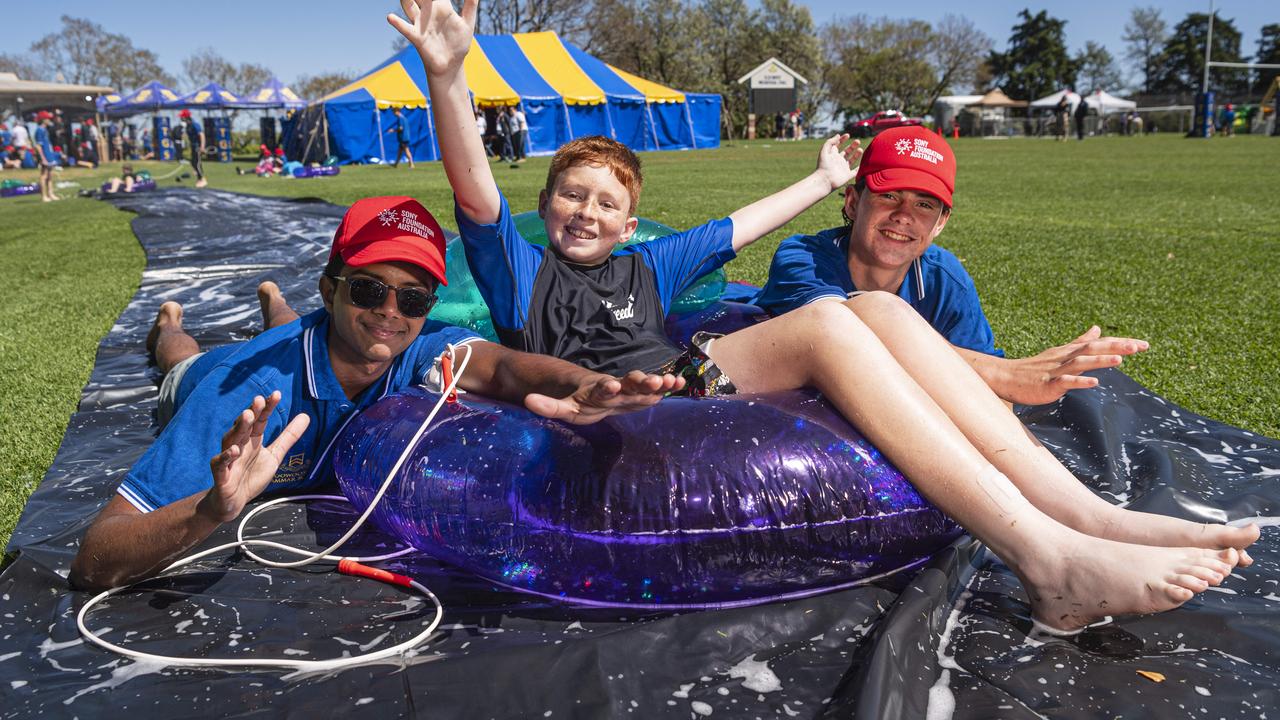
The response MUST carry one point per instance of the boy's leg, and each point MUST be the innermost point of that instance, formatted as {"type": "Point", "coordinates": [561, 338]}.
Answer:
{"type": "Point", "coordinates": [167, 342]}
{"type": "Point", "coordinates": [275, 309]}
{"type": "Point", "coordinates": [1071, 578]}
{"type": "Point", "coordinates": [989, 425]}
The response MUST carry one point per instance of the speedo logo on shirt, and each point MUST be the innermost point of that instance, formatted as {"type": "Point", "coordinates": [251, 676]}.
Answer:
{"type": "Point", "coordinates": [622, 313]}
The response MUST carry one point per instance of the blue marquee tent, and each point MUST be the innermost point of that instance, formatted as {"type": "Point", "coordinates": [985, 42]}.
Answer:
{"type": "Point", "coordinates": [565, 93]}
{"type": "Point", "coordinates": [149, 98]}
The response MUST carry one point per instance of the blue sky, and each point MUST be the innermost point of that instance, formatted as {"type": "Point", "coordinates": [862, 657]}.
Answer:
{"type": "Point", "coordinates": [300, 38]}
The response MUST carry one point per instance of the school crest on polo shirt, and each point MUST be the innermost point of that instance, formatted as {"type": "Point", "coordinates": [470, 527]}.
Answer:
{"type": "Point", "coordinates": [292, 470]}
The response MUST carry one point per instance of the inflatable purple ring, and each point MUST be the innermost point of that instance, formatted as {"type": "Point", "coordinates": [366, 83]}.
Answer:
{"type": "Point", "coordinates": [694, 503]}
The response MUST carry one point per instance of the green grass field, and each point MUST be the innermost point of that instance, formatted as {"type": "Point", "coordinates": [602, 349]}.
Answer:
{"type": "Point", "coordinates": [1162, 238]}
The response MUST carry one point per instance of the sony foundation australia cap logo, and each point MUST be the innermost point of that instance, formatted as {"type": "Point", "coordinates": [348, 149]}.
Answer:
{"type": "Point", "coordinates": [918, 148]}
{"type": "Point", "coordinates": [406, 221]}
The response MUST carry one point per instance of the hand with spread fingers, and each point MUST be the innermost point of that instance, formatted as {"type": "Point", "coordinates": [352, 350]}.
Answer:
{"type": "Point", "coordinates": [600, 396]}
{"type": "Point", "coordinates": [840, 166]}
{"type": "Point", "coordinates": [441, 35]}
{"type": "Point", "coordinates": [245, 466]}
{"type": "Point", "coordinates": [1046, 377]}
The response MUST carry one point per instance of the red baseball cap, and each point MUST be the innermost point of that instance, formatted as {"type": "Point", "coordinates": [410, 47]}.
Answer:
{"type": "Point", "coordinates": [184, 114]}
{"type": "Point", "coordinates": [389, 229]}
{"type": "Point", "coordinates": [44, 115]}
{"type": "Point", "coordinates": [910, 158]}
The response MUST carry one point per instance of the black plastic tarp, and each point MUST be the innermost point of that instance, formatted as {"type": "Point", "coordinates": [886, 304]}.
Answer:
{"type": "Point", "coordinates": [948, 641]}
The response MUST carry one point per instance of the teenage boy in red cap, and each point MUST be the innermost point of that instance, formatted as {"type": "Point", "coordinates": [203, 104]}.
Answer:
{"type": "Point", "coordinates": [900, 202]}
{"type": "Point", "coordinates": [872, 356]}
{"type": "Point", "coordinates": [45, 159]}
{"type": "Point", "coordinates": [287, 393]}
{"type": "Point", "coordinates": [195, 138]}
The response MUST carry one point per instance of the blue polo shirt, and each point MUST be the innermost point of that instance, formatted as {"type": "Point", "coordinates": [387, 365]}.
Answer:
{"type": "Point", "coordinates": [607, 317]}
{"type": "Point", "coordinates": [41, 138]}
{"type": "Point", "coordinates": [293, 359]}
{"type": "Point", "coordinates": [806, 268]}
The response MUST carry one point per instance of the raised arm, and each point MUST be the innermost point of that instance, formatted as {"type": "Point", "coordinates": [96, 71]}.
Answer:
{"type": "Point", "coordinates": [124, 545]}
{"type": "Point", "coordinates": [443, 38]}
{"type": "Point", "coordinates": [836, 168]}
{"type": "Point", "coordinates": [560, 390]}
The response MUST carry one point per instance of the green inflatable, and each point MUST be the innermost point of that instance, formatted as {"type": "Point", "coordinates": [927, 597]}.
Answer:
{"type": "Point", "coordinates": [461, 304]}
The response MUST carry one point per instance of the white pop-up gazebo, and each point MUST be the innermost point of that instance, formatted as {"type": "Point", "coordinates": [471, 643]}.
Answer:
{"type": "Point", "coordinates": [1104, 103]}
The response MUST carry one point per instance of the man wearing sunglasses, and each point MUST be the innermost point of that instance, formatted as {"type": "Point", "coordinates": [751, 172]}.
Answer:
{"type": "Point", "coordinates": [901, 201]}
{"type": "Point", "coordinates": [287, 394]}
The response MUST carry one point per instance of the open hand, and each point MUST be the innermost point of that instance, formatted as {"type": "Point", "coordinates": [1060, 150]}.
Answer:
{"type": "Point", "coordinates": [839, 166]}
{"type": "Point", "coordinates": [245, 466]}
{"type": "Point", "coordinates": [602, 396]}
{"type": "Point", "coordinates": [441, 35]}
{"type": "Point", "coordinates": [1046, 377]}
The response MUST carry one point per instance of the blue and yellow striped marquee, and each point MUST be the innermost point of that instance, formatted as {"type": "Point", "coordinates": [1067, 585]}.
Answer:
{"type": "Point", "coordinates": [564, 92]}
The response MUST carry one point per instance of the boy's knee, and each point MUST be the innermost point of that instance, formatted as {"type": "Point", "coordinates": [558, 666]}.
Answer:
{"type": "Point", "coordinates": [878, 303]}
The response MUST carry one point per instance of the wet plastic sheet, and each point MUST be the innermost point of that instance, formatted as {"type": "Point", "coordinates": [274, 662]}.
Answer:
{"type": "Point", "coordinates": [950, 640]}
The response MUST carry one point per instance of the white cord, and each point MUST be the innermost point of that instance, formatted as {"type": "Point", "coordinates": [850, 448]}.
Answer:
{"type": "Point", "coordinates": [308, 557]}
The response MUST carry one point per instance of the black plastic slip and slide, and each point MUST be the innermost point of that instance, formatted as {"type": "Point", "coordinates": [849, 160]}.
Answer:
{"type": "Point", "coordinates": [957, 634]}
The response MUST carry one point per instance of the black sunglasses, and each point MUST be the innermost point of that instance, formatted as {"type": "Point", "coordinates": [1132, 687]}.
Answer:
{"type": "Point", "coordinates": [367, 293]}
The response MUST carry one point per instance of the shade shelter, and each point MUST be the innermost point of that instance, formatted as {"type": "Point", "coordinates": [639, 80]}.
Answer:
{"type": "Point", "coordinates": [1051, 101]}
{"type": "Point", "coordinates": [989, 116]}
{"type": "Point", "coordinates": [23, 95]}
{"type": "Point", "coordinates": [1103, 103]}
{"type": "Point", "coordinates": [273, 94]}
{"type": "Point", "coordinates": [210, 97]}
{"type": "Point", "coordinates": [151, 97]}
{"type": "Point", "coordinates": [564, 92]}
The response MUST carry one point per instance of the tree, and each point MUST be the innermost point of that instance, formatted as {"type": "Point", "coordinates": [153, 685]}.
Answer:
{"type": "Point", "coordinates": [21, 65]}
{"type": "Point", "coordinates": [1098, 69]}
{"type": "Point", "coordinates": [206, 65]}
{"type": "Point", "coordinates": [314, 87]}
{"type": "Point", "coordinates": [83, 52]}
{"type": "Point", "coordinates": [1268, 53]}
{"type": "Point", "coordinates": [1036, 62]}
{"type": "Point", "coordinates": [879, 64]}
{"type": "Point", "coordinates": [956, 53]}
{"type": "Point", "coordinates": [1145, 34]}
{"type": "Point", "coordinates": [568, 18]}
{"type": "Point", "coordinates": [898, 64]}
{"type": "Point", "coordinates": [1180, 67]}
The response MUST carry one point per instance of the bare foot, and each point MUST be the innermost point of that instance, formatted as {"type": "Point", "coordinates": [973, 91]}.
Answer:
{"type": "Point", "coordinates": [168, 319]}
{"type": "Point", "coordinates": [1086, 579]}
{"type": "Point", "coordinates": [275, 309]}
{"type": "Point", "coordinates": [1141, 528]}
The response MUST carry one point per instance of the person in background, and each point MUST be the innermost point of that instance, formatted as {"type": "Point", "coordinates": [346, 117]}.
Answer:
{"type": "Point", "coordinates": [21, 137]}
{"type": "Point", "coordinates": [1228, 120]}
{"type": "Point", "coordinates": [94, 152]}
{"type": "Point", "coordinates": [1062, 116]}
{"type": "Point", "coordinates": [1082, 113]}
{"type": "Point", "coordinates": [125, 182]}
{"type": "Point", "coordinates": [504, 137]}
{"type": "Point", "coordinates": [401, 129]}
{"type": "Point", "coordinates": [11, 160]}
{"type": "Point", "coordinates": [521, 134]}
{"type": "Point", "coordinates": [45, 158]}
{"type": "Point", "coordinates": [195, 138]}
